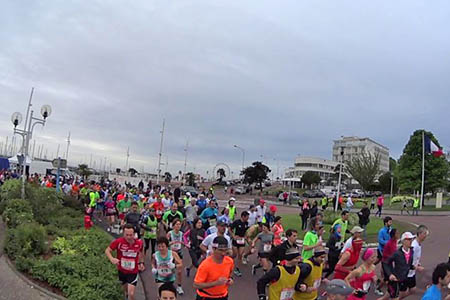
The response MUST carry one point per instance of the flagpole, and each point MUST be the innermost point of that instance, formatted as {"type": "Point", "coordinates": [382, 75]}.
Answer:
{"type": "Point", "coordinates": [423, 169]}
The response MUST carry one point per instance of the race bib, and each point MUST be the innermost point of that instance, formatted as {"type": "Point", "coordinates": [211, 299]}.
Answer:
{"type": "Point", "coordinates": [153, 230]}
{"type": "Point", "coordinates": [164, 271]}
{"type": "Point", "coordinates": [317, 283]}
{"type": "Point", "coordinates": [267, 247]}
{"type": "Point", "coordinates": [212, 222]}
{"type": "Point", "coordinates": [287, 294]}
{"type": "Point", "coordinates": [127, 264]}
{"type": "Point", "coordinates": [240, 241]}
{"type": "Point", "coordinates": [366, 286]}
{"type": "Point", "coordinates": [176, 246]}
{"type": "Point", "coordinates": [110, 210]}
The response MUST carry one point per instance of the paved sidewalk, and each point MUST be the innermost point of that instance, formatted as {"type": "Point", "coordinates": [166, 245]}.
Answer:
{"type": "Point", "coordinates": [11, 285]}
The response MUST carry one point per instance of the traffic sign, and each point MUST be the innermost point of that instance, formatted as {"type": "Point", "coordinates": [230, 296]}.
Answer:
{"type": "Point", "coordinates": [59, 163]}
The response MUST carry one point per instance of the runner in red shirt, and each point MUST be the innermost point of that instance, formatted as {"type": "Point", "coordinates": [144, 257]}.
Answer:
{"type": "Point", "coordinates": [129, 261]}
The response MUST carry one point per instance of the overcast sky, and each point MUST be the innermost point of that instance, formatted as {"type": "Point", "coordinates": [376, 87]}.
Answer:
{"type": "Point", "coordinates": [278, 78]}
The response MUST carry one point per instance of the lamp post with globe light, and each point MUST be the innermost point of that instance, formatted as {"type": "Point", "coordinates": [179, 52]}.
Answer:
{"type": "Point", "coordinates": [27, 133]}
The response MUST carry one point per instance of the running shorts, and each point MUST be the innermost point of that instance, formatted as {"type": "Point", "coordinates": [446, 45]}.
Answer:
{"type": "Point", "coordinates": [128, 278]}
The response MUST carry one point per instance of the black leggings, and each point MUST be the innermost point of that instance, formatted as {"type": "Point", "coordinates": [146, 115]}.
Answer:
{"type": "Point", "coordinates": [304, 221]}
{"type": "Point", "coordinates": [332, 261]}
{"type": "Point", "coordinates": [147, 245]}
{"type": "Point", "coordinates": [195, 257]}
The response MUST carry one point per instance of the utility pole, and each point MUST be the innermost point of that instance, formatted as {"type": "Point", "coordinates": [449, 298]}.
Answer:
{"type": "Point", "coordinates": [90, 161]}
{"type": "Point", "coordinates": [34, 146]}
{"type": "Point", "coordinates": [67, 149]}
{"type": "Point", "coordinates": [185, 156]}
{"type": "Point", "coordinates": [57, 152]}
{"type": "Point", "coordinates": [160, 151]}
{"type": "Point", "coordinates": [128, 156]}
{"type": "Point", "coordinates": [339, 180]}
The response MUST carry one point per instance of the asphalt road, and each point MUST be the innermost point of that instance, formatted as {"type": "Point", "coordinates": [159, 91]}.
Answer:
{"type": "Point", "coordinates": [435, 250]}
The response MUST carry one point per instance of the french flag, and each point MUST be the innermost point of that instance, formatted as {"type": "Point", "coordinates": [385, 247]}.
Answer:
{"type": "Point", "coordinates": [432, 148]}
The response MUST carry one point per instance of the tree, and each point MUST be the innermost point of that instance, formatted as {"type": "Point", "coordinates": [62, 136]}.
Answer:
{"type": "Point", "coordinates": [132, 171]}
{"type": "Point", "coordinates": [256, 173]}
{"type": "Point", "coordinates": [384, 183]}
{"type": "Point", "coordinates": [364, 168]}
{"type": "Point", "coordinates": [311, 178]}
{"type": "Point", "coordinates": [167, 177]}
{"type": "Point", "coordinates": [84, 171]}
{"type": "Point", "coordinates": [221, 174]}
{"type": "Point", "coordinates": [409, 168]}
{"type": "Point", "coordinates": [190, 179]}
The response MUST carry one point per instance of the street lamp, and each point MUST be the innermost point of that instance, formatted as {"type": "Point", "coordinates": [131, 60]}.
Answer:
{"type": "Point", "coordinates": [27, 133]}
{"type": "Point", "coordinates": [339, 180]}
{"type": "Point", "coordinates": [243, 155]}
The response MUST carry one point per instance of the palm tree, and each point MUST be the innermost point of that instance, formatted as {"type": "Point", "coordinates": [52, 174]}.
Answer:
{"type": "Point", "coordinates": [84, 171]}
{"type": "Point", "coordinates": [221, 174]}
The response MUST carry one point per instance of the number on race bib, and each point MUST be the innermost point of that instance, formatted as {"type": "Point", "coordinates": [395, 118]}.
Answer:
{"type": "Point", "coordinates": [287, 294]}
{"type": "Point", "coordinates": [267, 247]}
{"type": "Point", "coordinates": [127, 264]}
{"type": "Point", "coordinates": [240, 241]}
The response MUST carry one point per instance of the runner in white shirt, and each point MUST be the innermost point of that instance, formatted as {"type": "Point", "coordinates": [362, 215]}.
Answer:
{"type": "Point", "coordinates": [206, 245]}
{"type": "Point", "coordinates": [261, 210]}
{"type": "Point", "coordinates": [422, 233]}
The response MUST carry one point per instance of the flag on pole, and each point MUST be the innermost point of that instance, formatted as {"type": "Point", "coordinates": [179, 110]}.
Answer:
{"type": "Point", "coordinates": [432, 148]}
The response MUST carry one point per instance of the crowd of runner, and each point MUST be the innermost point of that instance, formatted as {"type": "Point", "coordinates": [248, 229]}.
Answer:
{"type": "Point", "coordinates": [160, 225]}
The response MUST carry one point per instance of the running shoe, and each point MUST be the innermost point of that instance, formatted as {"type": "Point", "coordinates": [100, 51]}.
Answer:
{"type": "Point", "coordinates": [378, 292]}
{"type": "Point", "coordinates": [253, 269]}
{"type": "Point", "coordinates": [188, 272]}
{"type": "Point", "coordinates": [237, 272]}
{"type": "Point", "coordinates": [180, 290]}
{"type": "Point", "coordinates": [244, 261]}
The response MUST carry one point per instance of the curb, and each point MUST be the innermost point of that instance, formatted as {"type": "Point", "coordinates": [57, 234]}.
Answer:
{"type": "Point", "coordinates": [31, 283]}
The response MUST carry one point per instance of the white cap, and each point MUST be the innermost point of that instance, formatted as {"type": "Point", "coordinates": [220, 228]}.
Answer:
{"type": "Point", "coordinates": [232, 199]}
{"type": "Point", "coordinates": [407, 235]}
{"type": "Point", "coordinates": [357, 229]}
{"type": "Point", "coordinates": [188, 194]}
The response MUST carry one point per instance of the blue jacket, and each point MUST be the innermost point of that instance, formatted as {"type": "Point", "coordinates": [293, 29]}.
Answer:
{"type": "Point", "coordinates": [383, 237]}
{"type": "Point", "coordinates": [207, 213]}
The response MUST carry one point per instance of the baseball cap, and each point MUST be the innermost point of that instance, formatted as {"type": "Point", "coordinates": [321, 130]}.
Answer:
{"type": "Point", "coordinates": [220, 242]}
{"type": "Point", "coordinates": [261, 201]}
{"type": "Point", "coordinates": [338, 287]}
{"type": "Point", "coordinates": [232, 199]}
{"type": "Point", "coordinates": [188, 194]}
{"type": "Point", "coordinates": [221, 223]}
{"type": "Point", "coordinates": [407, 235]}
{"type": "Point", "coordinates": [356, 229]}
{"type": "Point", "coordinates": [273, 208]}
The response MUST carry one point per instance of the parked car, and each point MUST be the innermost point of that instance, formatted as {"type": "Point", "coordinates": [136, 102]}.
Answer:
{"type": "Point", "coordinates": [293, 197]}
{"type": "Point", "coordinates": [239, 190]}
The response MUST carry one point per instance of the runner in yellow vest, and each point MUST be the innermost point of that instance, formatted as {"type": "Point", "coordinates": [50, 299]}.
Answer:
{"type": "Point", "coordinates": [416, 206]}
{"type": "Point", "coordinates": [231, 209]}
{"type": "Point", "coordinates": [283, 281]}
{"type": "Point", "coordinates": [312, 276]}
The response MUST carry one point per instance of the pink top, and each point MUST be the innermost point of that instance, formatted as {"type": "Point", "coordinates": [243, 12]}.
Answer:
{"type": "Point", "coordinates": [358, 283]}
{"type": "Point", "coordinates": [278, 230]}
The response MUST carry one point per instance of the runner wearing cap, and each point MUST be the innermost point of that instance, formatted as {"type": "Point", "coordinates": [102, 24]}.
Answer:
{"type": "Point", "coordinates": [398, 266]}
{"type": "Point", "coordinates": [363, 276]}
{"type": "Point", "coordinates": [283, 281]}
{"type": "Point", "coordinates": [237, 230]}
{"type": "Point", "coordinates": [337, 289]}
{"type": "Point", "coordinates": [422, 233]}
{"type": "Point", "coordinates": [356, 234]}
{"type": "Point", "coordinates": [206, 245]}
{"type": "Point", "coordinates": [269, 217]}
{"type": "Point", "coordinates": [214, 275]}
{"type": "Point", "coordinates": [311, 274]}
{"type": "Point", "coordinates": [129, 261]}
{"type": "Point", "coordinates": [348, 260]}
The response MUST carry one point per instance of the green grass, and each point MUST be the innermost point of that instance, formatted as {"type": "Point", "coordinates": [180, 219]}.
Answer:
{"type": "Point", "coordinates": [399, 205]}
{"type": "Point", "coordinates": [294, 221]}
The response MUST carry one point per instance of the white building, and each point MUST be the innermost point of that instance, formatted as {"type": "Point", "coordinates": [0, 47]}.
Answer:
{"type": "Point", "coordinates": [353, 145]}
{"type": "Point", "coordinates": [323, 167]}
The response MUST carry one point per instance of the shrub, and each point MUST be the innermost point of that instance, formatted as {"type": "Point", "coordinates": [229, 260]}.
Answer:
{"type": "Point", "coordinates": [11, 189]}
{"type": "Point", "coordinates": [26, 240]}
{"type": "Point", "coordinates": [330, 216]}
{"type": "Point", "coordinates": [45, 202]}
{"type": "Point", "coordinates": [79, 271]}
{"type": "Point", "coordinates": [17, 211]}
{"type": "Point", "coordinates": [24, 264]}
{"type": "Point", "coordinates": [69, 201]}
